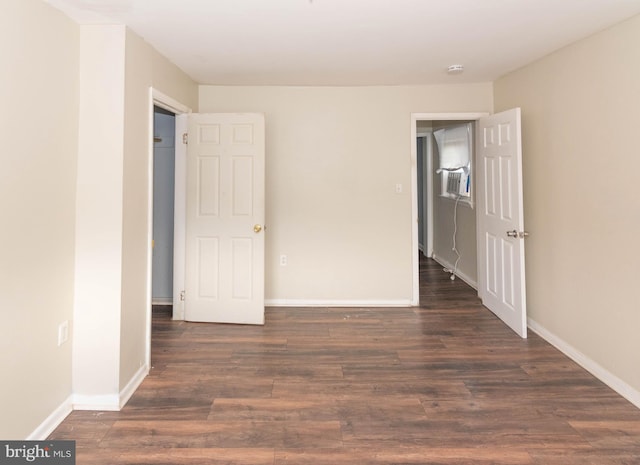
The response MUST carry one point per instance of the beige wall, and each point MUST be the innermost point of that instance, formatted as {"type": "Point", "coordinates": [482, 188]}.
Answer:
{"type": "Point", "coordinates": [112, 286]}
{"type": "Point", "coordinates": [580, 116]}
{"type": "Point", "coordinates": [39, 93]}
{"type": "Point", "coordinates": [334, 157]}
{"type": "Point", "coordinates": [99, 238]}
{"type": "Point", "coordinates": [167, 77]}
{"type": "Point", "coordinates": [75, 194]}
{"type": "Point", "coordinates": [135, 296]}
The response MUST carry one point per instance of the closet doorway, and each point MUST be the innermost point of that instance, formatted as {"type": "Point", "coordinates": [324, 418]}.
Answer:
{"type": "Point", "coordinates": [164, 130]}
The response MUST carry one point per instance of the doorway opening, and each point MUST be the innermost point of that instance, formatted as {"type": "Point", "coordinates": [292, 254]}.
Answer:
{"type": "Point", "coordinates": [438, 218]}
{"type": "Point", "coordinates": [164, 129]}
{"type": "Point", "coordinates": [163, 104]}
{"type": "Point", "coordinates": [496, 223]}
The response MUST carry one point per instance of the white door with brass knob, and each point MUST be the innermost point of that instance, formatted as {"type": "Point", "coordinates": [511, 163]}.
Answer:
{"type": "Point", "coordinates": [500, 225]}
{"type": "Point", "coordinates": [224, 279]}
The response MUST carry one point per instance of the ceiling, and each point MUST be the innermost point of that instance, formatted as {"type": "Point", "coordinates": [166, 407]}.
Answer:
{"type": "Point", "coordinates": [352, 42]}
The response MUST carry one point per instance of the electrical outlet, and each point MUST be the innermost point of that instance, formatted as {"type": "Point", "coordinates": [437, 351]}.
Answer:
{"type": "Point", "coordinates": [63, 332]}
{"type": "Point", "coordinates": [283, 260]}
{"type": "Point", "coordinates": [398, 188]}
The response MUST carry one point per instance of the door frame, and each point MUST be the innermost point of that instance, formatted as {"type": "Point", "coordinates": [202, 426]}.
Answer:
{"type": "Point", "coordinates": [415, 117]}
{"type": "Point", "coordinates": [427, 186]}
{"type": "Point", "coordinates": [159, 99]}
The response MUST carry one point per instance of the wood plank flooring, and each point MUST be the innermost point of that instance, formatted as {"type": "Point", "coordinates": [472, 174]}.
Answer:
{"type": "Point", "coordinates": [446, 383]}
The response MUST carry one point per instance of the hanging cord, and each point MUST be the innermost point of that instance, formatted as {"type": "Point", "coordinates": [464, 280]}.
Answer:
{"type": "Point", "coordinates": [455, 232]}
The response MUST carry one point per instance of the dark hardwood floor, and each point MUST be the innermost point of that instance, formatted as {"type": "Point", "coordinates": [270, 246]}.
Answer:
{"type": "Point", "coordinates": [445, 383]}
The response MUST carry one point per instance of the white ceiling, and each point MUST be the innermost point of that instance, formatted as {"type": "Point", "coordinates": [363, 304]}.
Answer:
{"type": "Point", "coordinates": [352, 42]}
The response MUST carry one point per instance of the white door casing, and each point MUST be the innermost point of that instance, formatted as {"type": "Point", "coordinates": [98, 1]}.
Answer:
{"type": "Point", "coordinates": [225, 218]}
{"type": "Point", "coordinates": [501, 270]}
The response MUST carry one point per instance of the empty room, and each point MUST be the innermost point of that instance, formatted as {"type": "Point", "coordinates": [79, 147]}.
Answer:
{"type": "Point", "coordinates": [321, 231]}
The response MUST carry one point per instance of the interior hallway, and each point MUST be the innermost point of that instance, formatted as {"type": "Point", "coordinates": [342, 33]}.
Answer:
{"type": "Point", "coordinates": [443, 383]}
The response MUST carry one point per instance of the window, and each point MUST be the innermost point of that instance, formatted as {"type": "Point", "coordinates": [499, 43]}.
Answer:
{"type": "Point", "coordinates": [455, 145]}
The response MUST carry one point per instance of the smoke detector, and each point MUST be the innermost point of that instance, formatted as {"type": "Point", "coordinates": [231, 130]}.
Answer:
{"type": "Point", "coordinates": [455, 69]}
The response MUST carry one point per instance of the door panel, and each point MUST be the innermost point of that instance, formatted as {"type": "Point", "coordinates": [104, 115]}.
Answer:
{"type": "Point", "coordinates": [241, 263]}
{"type": "Point", "coordinates": [242, 186]}
{"type": "Point", "coordinates": [208, 200]}
{"type": "Point", "coordinates": [208, 267]}
{"type": "Point", "coordinates": [501, 282]}
{"type": "Point", "coordinates": [225, 200]}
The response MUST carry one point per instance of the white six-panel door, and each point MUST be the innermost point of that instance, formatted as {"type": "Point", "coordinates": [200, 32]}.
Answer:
{"type": "Point", "coordinates": [224, 279]}
{"type": "Point", "coordinates": [501, 277]}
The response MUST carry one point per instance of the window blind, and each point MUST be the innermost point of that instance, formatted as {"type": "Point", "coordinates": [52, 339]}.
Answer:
{"type": "Point", "coordinates": [454, 146]}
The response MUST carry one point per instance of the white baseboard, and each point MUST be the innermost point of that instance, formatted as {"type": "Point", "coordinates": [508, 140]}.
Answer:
{"type": "Point", "coordinates": [100, 402]}
{"type": "Point", "coordinates": [52, 422]}
{"type": "Point", "coordinates": [336, 303]}
{"type": "Point", "coordinates": [133, 384]}
{"type": "Point", "coordinates": [466, 278]}
{"type": "Point", "coordinates": [604, 375]}
{"type": "Point", "coordinates": [162, 301]}
{"type": "Point", "coordinates": [84, 402]}
{"type": "Point", "coordinates": [111, 402]}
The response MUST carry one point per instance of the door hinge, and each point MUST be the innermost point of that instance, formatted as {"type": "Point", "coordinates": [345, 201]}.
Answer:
{"type": "Point", "coordinates": [185, 138]}
{"type": "Point", "coordinates": [182, 294]}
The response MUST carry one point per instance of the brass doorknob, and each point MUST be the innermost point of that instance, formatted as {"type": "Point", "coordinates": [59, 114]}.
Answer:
{"type": "Point", "coordinates": [257, 228]}
{"type": "Point", "coordinates": [514, 233]}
